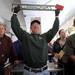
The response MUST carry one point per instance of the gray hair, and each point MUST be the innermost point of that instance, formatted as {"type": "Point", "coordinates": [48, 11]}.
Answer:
{"type": "Point", "coordinates": [2, 24]}
{"type": "Point", "coordinates": [2, 21]}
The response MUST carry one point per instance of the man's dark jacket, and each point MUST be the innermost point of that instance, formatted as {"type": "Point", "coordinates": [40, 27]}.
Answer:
{"type": "Point", "coordinates": [34, 46]}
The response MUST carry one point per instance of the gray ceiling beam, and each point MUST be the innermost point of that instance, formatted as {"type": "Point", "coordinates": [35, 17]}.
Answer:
{"type": "Point", "coordinates": [35, 7]}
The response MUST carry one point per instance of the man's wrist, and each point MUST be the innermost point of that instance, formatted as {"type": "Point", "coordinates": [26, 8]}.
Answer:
{"type": "Point", "coordinates": [56, 16]}
{"type": "Point", "coordinates": [15, 13]}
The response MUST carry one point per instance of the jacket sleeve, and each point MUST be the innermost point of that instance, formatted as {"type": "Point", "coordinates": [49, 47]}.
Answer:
{"type": "Point", "coordinates": [51, 33]}
{"type": "Point", "coordinates": [55, 47]}
{"type": "Point", "coordinates": [16, 27]}
{"type": "Point", "coordinates": [68, 49]}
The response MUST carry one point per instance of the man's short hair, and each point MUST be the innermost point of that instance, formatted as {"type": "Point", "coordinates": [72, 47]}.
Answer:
{"type": "Point", "coordinates": [35, 21]}
{"type": "Point", "coordinates": [1, 24]}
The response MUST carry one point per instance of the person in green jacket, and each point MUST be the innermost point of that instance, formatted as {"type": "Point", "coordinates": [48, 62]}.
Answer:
{"type": "Point", "coordinates": [34, 45]}
{"type": "Point", "coordinates": [69, 54]}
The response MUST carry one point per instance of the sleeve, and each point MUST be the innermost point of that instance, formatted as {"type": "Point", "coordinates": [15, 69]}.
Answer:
{"type": "Point", "coordinates": [12, 53]}
{"type": "Point", "coordinates": [55, 47]}
{"type": "Point", "coordinates": [51, 33]}
{"type": "Point", "coordinates": [68, 49]}
{"type": "Point", "coordinates": [16, 27]}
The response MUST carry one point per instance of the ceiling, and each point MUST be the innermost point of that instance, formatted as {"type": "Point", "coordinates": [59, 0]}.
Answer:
{"type": "Point", "coordinates": [47, 17]}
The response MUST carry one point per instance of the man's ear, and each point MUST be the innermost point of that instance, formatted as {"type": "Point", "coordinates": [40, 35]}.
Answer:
{"type": "Point", "coordinates": [4, 27]}
{"type": "Point", "coordinates": [5, 30]}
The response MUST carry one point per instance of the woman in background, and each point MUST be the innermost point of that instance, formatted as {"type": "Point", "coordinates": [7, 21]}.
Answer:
{"type": "Point", "coordinates": [59, 45]}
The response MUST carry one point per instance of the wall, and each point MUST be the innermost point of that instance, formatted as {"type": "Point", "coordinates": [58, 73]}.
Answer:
{"type": "Point", "coordinates": [6, 13]}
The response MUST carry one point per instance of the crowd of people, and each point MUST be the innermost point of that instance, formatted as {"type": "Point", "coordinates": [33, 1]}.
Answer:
{"type": "Point", "coordinates": [32, 49]}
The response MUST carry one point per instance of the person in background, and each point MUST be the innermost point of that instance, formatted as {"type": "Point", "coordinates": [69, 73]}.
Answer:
{"type": "Point", "coordinates": [18, 47]}
{"type": "Point", "coordinates": [6, 49]}
{"type": "Point", "coordinates": [34, 45]}
{"type": "Point", "coordinates": [69, 56]}
{"type": "Point", "coordinates": [58, 46]}
{"type": "Point", "coordinates": [60, 42]}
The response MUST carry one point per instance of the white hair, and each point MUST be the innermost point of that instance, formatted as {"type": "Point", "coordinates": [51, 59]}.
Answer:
{"type": "Point", "coordinates": [2, 21]}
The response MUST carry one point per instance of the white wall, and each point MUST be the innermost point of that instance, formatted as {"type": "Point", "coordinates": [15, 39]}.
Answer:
{"type": "Point", "coordinates": [6, 13]}
{"type": "Point", "coordinates": [5, 10]}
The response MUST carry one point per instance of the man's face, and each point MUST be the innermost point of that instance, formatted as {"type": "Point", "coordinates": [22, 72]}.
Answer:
{"type": "Point", "coordinates": [2, 30]}
{"type": "Point", "coordinates": [36, 28]}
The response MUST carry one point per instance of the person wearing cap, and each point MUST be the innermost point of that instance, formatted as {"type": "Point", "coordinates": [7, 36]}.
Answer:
{"type": "Point", "coordinates": [6, 48]}
{"type": "Point", "coordinates": [34, 45]}
{"type": "Point", "coordinates": [69, 56]}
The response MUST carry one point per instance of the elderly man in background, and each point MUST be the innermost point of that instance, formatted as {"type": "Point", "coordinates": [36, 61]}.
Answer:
{"type": "Point", "coordinates": [6, 48]}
